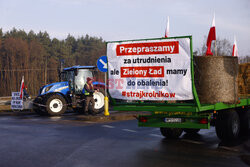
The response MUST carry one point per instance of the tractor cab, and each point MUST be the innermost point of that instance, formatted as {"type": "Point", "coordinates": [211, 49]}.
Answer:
{"type": "Point", "coordinates": [77, 76]}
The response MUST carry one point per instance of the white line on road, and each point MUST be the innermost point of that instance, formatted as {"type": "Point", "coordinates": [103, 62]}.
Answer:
{"type": "Point", "coordinates": [155, 135]}
{"type": "Point", "coordinates": [89, 122]}
{"type": "Point", "coordinates": [129, 130]}
{"type": "Point", "coordinates": [108, 126]}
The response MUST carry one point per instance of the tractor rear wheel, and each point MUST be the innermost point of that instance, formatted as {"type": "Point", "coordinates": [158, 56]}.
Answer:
{"type": "Point", "coordinates": [99, 101]}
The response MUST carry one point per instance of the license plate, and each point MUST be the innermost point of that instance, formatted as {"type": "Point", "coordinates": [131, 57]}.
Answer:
{"type": "Point", "coordinates": [172, 120]}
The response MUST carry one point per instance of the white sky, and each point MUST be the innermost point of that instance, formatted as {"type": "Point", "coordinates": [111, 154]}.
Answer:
{"type": "Point", "coordinates": [130, 19]}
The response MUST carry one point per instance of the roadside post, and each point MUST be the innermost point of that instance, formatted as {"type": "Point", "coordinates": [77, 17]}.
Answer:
{"type": "Point", "coordinates": [102, 65]}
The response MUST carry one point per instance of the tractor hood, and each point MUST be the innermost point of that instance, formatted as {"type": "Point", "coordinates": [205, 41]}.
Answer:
{"type": "Point", "coordinates": [62, 87]}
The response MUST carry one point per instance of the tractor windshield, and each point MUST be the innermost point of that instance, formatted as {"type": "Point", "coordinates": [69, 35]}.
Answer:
{"type": "Point", "coordinates": [81, 79]}
{"type": "Point", "coordinates": [67, 76]}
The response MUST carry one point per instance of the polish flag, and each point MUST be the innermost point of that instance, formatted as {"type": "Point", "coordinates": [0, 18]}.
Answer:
{"type": "Point", "coordinates": [211, 37]}
{"type": "Point", "coordinates": [22, 87]}
{"type": "Point", "coordinates": [235, 48]}
{"type": "Point", "coordinates": [167, 29]}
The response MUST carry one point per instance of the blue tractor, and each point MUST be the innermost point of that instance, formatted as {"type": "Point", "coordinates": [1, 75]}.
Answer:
{"type": "Point", "coordinates": [54, 99]}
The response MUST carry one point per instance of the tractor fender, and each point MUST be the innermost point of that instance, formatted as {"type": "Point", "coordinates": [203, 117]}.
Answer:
{"type": "Point", "coordinates": [99, 85]}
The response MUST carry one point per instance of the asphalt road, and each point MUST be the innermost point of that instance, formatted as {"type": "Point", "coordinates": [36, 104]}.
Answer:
{"type": "Point", "coordinates": [30, 141]}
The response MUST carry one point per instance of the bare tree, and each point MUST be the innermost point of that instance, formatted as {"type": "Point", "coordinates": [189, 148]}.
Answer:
{"type": "Point", "coordinates": [245, 59]}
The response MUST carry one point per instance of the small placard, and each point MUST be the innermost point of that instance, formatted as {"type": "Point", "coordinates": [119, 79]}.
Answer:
{"type": "Point", "coordinates": [16, 101]}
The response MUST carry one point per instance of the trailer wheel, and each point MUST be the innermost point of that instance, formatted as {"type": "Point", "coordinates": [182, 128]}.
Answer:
{"type": "Point", "coordinates": [56, 105]}
{"type": "Point", "coordinates": [191, 131]}
{"type": "Point", "coordinates": [244, 122]}
{"type": "Point", "coordinates": [227, 125]}
{"type": "Point", "coordinates": [171, 133]}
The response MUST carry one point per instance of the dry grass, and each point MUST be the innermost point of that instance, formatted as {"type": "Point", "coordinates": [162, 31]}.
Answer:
{"type": "Point", "coordinates": [5, 108]}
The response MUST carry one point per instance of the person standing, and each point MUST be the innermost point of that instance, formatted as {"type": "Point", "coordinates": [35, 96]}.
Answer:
{"type": "Point", "coordinates": [25, 93]}
{"type": "Point", "coordinates": [89, 99]}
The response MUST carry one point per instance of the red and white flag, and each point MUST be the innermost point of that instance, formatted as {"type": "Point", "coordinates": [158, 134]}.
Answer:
{"type": "Point", "coordinates": [211, 37]}
{"type": "Point", "coordinates": [22, 87]}
{"type": "Point", "coordinates": [235, 48]}
{"type": "Point", "coordinates": [167, 29]}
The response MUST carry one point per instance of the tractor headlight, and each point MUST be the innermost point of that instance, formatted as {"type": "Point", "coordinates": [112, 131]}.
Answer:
{"type": "Point", "coordinates": [46, 89]}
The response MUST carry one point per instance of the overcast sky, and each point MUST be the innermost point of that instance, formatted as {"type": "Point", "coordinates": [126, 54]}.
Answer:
{"type": "Point", "coordinates": [130, 19]}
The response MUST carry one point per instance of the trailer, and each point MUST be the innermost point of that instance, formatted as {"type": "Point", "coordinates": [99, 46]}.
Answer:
{"type": "Point", "coordinates": [230, 120]}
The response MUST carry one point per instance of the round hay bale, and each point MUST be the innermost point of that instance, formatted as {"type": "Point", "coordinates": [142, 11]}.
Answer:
{"type": "Point", "coordinates": [216, 79]}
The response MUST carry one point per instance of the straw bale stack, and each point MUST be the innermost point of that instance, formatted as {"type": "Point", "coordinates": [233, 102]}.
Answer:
{"type": "Point", "coordinates": [244, 79]}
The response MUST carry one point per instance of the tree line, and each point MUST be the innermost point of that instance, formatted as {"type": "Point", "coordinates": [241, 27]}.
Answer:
{"type": "Point", "coordinates": [37, 57]}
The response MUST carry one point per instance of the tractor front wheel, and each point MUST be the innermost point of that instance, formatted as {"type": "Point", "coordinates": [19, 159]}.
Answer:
{"type": "Point", "coordinates": [56, 105]}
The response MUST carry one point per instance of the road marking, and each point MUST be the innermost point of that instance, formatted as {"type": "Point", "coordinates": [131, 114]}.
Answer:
{"type": "Point", "coordinates": [108, 126]}
{"type": "Point", "coordinates": [155, 135]}
{"type": "Point", "coordinates": [129, 130]}
{"type": "Point", "coordinates": [55, 118]}
{"type": "Point", "coordinates": [191, 141]}
{"type": "Point", "coordinates": [89, 122]}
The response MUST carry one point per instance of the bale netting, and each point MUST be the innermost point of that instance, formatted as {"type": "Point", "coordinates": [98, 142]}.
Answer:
{"type": "Point", "coordinates": [216, 79]}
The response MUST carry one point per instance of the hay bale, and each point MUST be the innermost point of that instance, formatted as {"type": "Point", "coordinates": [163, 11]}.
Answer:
{"type": "Point", "coordinates": [216, 79]}
{"type": "Point", "coordinates": [244, 79]}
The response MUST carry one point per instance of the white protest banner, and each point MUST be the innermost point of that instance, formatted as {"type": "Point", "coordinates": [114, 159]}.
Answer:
{"type": "Point", "coordinates": [16, 101]}
{"type": "Point", "coordinates": [154, 69]}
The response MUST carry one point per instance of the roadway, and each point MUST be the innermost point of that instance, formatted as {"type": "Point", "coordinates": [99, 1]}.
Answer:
{"type": "Point", "coordinates": [30, 140]}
